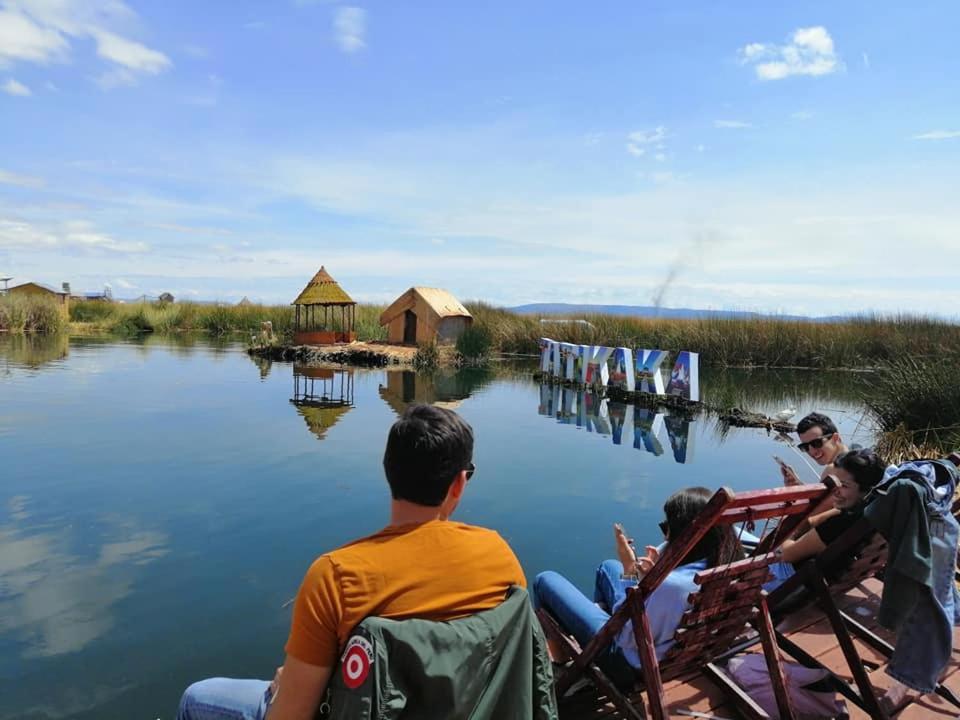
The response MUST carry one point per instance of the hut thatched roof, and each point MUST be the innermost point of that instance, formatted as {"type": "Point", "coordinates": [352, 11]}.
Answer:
{"type": "Point", "coordinates": [323, 290]}
{"type": "Point", "coordinates": [438, 300]}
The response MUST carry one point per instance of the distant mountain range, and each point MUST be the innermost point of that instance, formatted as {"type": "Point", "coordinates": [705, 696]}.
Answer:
{"type": "Point", "coordinates": [650, 311]}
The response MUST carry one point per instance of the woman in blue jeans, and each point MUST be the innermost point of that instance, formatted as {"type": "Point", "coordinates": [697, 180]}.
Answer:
{"type": "Point", "coordinates": [583, 617]}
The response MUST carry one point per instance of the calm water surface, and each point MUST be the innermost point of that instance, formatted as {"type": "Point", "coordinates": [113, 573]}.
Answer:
{"type": "Point", "coordinates": [160, 500]}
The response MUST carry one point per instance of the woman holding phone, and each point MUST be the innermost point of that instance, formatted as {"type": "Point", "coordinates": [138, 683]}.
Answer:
{"type": "Point", "coordinates": [583, 617]}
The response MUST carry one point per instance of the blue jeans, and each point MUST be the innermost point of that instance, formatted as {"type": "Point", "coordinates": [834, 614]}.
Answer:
{"type": "Point", "coordinates": [225, 699]}
{"type": "Point", "coordinates": [925, 640]}
{"type": "Point", "coordinates": [583, 618]}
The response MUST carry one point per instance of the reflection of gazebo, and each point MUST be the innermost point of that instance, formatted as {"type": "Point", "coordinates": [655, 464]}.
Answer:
{"type": "Point", "coordinates": [322, 396]}
{"type": "Point", "coordinates": [315, 322]}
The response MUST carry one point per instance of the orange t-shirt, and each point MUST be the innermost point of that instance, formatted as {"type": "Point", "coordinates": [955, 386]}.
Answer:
{"type": "Point", "coordinates": [438, 570]}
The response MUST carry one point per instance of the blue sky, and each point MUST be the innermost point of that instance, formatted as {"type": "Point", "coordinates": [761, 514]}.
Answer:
{"type": "Point", "coordinates": [800, 157]}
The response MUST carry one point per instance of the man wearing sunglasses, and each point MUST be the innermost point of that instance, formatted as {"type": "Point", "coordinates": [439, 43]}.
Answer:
{"type": "Point", "coordinates": [421, 565]}
{"type": "Point", "coordinates": [821, 440]}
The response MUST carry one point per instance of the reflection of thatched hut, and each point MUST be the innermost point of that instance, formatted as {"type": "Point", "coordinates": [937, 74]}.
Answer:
{"type": "Point", "coordinates": [442, 389]}
{"type": "Point", "coordinates": [322, 396]}
{"type": "Point", "coordinates": [317, 321]}
{"type": "Point", "coordinates": [320, 419]}
{"type": "Point", "coordinates": [425, 315]}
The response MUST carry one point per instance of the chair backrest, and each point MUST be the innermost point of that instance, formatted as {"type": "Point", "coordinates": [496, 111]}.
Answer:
{"type": "Point", "coordinates": [859, 554]}
{"type": "Point", "coordinates": [720, 610]}
{"type": "Point", "coordinates": [790, 504]}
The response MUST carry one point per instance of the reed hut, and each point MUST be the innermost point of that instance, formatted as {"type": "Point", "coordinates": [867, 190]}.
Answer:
{"type": "Point", "coordinates": [325, 314]}
{"type": "Point", "coordinates": [423, 315]}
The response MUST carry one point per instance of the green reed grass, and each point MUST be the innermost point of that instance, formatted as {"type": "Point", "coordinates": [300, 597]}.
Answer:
{"type": "Point", "coordinates": [750, 342]}
{"type": "Point", "coordinates": [916, 406]}
{"type": "Point", "coordinates": [30, 314]}
{"type": "Point", "coordinates": [138, 318]}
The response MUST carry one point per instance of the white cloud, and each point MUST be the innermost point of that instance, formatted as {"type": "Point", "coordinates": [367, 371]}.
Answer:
{"type": "Point", "coordinates": [124, 284]}
{"type": "Point", "coordinates": [12, 87]}
{"type": "Point", "coordinates": [350, 28]}
{"type": "Point", "coordinates": [866, 61]}
{"type": "Point", "coordinates": [23, 40]}
{"type": "Point", "coordinates": [76, 235]}
{"type": "Point", "coordinates": [638, 138]}
{"type": "Point", "coordinates": [648, 137]}
{"type": "Point", "coordinates": [129, 54]}
{"type": "Point", "coordinates": [660, 157]}
{"type": "Point", "coordinates": [26, 181]}
{"type": "Point", "coordinates": [938, 135]}
{"type": "Point", "coordinates": [700, 148]}
{"type": "Point", "coordinates": [39, 31]}
{"type": "Point", "coordinates": [802, 115]}
{"type": "Point", "coordinates": [731, 124]}
{"type": "Point", "coordinates": [810, 51]}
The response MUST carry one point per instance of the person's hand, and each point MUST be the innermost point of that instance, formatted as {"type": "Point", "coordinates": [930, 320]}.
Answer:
{"type": "Point", "coordinates": [790, 478]}
{"type": "Point", "coordinates": [625, 552]}
{"type": "Point", "coordinates": [648, 560]}
{"type": "Point", "coordinates": [275, 683]}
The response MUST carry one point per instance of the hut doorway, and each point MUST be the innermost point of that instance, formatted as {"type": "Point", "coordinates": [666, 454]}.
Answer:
{"type": "Point", "coordinates": [409, 327]}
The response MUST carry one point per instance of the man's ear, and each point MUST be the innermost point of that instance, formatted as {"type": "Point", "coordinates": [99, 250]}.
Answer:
{"type": "Point", "coordinates": [457, 486]}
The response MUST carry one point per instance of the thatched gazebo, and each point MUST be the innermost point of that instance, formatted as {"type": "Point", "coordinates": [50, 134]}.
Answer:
{"type": "Point", "coordinates": [316, 313]}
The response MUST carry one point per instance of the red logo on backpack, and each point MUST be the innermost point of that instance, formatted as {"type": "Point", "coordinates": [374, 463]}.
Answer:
{"type": "Point", "coordinates": [355, 662]}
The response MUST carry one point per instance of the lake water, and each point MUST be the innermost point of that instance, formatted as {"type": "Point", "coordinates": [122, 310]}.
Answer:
{"type": "Point", "coordinates": [161, 499]}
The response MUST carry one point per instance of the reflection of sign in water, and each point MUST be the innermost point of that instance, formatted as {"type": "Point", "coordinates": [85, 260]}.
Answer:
{"type": "Point", "coordinates": [322, 396]}
{"type": "Point", "coordinates": [597, 414]}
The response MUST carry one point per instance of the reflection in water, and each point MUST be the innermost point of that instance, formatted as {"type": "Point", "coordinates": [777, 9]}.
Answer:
{"type": "Point", "coordinates": [33, 351]}
{"type": "Point", "coordinates": [54, 600]}
{"type": "Point", "coordinates": [264, 364]}
{"type": "Point", "coordinates": [772, 390]}
{"type": "Point", "coordinates": [442, 388]}
{"type": "Point", "coordinates": [599, 415]}
{"type": "Point", "coordinates": [322, 396]}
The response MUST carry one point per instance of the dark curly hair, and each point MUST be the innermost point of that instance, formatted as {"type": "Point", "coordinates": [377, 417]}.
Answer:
{"type": "Point", "coordinates": [864, 465]}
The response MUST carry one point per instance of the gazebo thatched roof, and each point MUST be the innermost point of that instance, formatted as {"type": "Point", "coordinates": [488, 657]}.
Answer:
{"type": "Point", "coordinates": [323, 290]}
{"type": "Point", "coordinates": [319, 417]}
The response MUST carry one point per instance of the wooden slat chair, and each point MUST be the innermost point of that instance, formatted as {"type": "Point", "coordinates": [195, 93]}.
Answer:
{"type": "Point", "coordinates": [818, 581]}
{"type": "Point", "coordinates": [730, 599]}
{"type": "Point", "coordinates": [822, 579]}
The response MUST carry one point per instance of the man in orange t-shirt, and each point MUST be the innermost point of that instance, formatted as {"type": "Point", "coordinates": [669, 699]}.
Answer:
{"type": "Point", "coordinates": [422, 565]}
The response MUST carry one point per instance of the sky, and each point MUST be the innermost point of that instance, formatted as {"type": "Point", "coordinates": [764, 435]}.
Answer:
{"type": "Point", "coordinates": [777, 157]}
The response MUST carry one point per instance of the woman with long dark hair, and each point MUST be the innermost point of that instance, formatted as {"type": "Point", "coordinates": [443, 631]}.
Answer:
{"type": "Point", "coordinates": [583, 617]}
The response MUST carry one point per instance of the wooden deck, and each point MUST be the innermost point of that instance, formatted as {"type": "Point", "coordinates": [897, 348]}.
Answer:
{"type": "Point", "coordinates": [698, 697]}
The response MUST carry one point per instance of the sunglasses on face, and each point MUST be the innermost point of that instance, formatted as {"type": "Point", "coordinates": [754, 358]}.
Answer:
{"type": "Point", "coordinates": [816, 443]}
{"type": "Point", "coordinates": [471, 469]}
{"type": "Point", "coordinates": [664, 527]}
